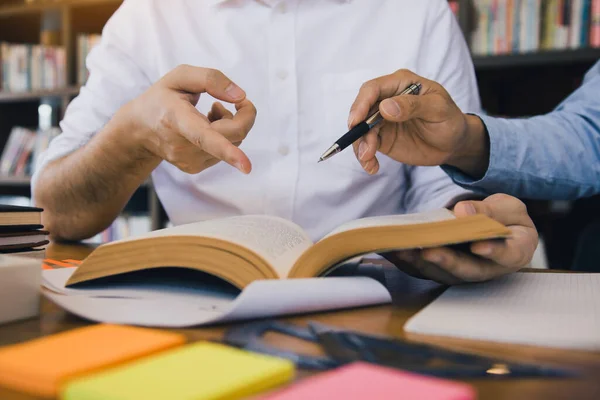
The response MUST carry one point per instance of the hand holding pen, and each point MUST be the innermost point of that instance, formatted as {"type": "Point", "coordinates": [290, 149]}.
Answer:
{"type": "Point", "coordinates": [424, 129]}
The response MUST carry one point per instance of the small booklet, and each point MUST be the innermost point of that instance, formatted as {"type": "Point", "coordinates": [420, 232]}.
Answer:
{"type": "Point", "coordinates": [244, 249]}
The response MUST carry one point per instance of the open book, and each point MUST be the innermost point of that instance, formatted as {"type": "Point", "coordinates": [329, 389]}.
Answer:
{"type": "Point", "coordinates": [244, 249]}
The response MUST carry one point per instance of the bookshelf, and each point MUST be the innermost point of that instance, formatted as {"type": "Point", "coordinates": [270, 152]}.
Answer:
{"type": "Point", "coordinates": [28, 22]}
{"type": "Point", "coordinates": [14, 97]}
{"type": "Point", "coordinates": [534, 83]}
{"type": "Point", "coordinates": [543, 58]}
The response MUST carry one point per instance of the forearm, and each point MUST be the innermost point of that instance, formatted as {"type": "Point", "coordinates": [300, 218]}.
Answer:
{"type": "Point", "coordinates": [554, 156]}
{"type": "Point", "coordinates": [84, 192]}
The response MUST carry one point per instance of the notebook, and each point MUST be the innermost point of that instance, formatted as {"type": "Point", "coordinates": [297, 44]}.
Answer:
{"type": "Point", "coordinates": [539, 309]}
{"type": "Point", "coordinates": [362, 381]}
{"type": "Point", "coordinates": [199, 371]}
{"type": "Point", "coordinates": [39, 367]}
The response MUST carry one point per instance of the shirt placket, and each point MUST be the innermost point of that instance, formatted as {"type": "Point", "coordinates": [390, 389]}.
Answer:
{"type": "Point", "coordinates": [283, 95]}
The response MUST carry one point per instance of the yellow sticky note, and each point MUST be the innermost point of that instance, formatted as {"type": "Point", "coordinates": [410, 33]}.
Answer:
{"type": "Point", "coordinates": [198, 371]}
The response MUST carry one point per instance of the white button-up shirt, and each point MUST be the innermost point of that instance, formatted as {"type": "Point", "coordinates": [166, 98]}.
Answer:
{"type": "Point", "coordinates": [301, 62]}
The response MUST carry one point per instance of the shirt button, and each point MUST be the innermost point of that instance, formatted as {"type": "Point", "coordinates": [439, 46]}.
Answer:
{"type": "Point", "coordinates": [281, 7]}
{"type": "Point", "coordinates": [282, 74]}
{"type": "Point", "coordinates": [284, 150]}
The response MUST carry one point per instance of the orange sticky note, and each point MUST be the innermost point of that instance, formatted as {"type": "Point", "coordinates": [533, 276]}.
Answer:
{"type": "Point", "coordinates": [41, 366]}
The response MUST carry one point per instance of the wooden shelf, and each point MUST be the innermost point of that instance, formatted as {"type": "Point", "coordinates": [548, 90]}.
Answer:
{"type": "Point", "coordinates": [546, 58]}
{"type": "Point", "coordinates": [26, 181]}
{"type": "Point", "coordinates": [25, 8]}
{"type": "Point", "coordinates": [15, 181]}
{"type": "Point", "coordinates": [12, 97]}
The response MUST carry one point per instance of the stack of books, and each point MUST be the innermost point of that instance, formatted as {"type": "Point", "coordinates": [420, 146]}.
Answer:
{"type": "Point", "coordinates": [85, 43]}
{"type": "Point", "coordinates": [28, 67]}
{"type": "Point", "coordinates": [21, 231]}
{"type": "Point", "coordinates": [521, 26]}
{"type": "Point", "coordinates": [22, 150]}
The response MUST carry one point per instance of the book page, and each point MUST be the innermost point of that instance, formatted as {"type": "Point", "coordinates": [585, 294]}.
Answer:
{"type": "Point", "coordinates": [278, 241]}
{"type": "Point", "coordinates": [393, 220]}
{"type": "Point", "coordinates": [152, 305]}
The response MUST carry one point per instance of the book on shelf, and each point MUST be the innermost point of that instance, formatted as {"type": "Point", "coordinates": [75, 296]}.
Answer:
{"type": "Point", "coordinates": [85, 43]}
{"type": "Point", "coordinates": [125, 226]}
{"type": "Point", "coordinates": [27, 67]}
{"type": "Point", "coordinates": [23, 148]}
{"type": "Point", "coordinates": [595, 28]}
{"type": "Point", "coordinates": [522, 26]}
{"type": "Point", "coordinates": [454, 6]}
{"type": "Point", "coordinates": [243, 249]}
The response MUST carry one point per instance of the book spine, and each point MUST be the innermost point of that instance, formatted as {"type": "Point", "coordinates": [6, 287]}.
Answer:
{"type": "Point", "coordinates": [480, 35]}
{"type": "Point", "coordinates": [516, 26]}
{"type": "Point", "coordinates": [2, 67]}
{"type": "Point", "coordinates": [595, 24]}
{"type": "Point", "coordinates": [493, 13]}
{"type": "Point", "coordinates": [509, 25]}
{"type": "Point", "coordinates": [576, 22]}
{"type": "Point", "coordinates": [585, 23]}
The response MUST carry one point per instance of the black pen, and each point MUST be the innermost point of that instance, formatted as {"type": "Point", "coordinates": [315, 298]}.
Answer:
{"type": "Point", "coordinates": [361, 129]}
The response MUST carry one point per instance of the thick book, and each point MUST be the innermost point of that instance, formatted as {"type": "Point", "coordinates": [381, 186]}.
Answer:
{"type": "Point", "coordinates": [19, 216]}
{"type": "Point", "coordinates": [244, 249]}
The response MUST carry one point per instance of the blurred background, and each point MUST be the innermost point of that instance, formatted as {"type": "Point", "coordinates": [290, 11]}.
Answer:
{"type": "Point", "coordinates": [528, 56]}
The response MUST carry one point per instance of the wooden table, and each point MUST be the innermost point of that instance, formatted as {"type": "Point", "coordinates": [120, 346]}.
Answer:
{"type": "Point", "coordinates": [409, 295]}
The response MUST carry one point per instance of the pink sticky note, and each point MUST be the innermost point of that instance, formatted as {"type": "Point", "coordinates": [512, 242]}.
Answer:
{"type": "Point", "coordinates": [360, 381]}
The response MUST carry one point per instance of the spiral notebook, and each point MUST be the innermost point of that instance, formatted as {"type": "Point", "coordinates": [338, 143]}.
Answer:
{"type": "Point", "coordinates": [541, 309]}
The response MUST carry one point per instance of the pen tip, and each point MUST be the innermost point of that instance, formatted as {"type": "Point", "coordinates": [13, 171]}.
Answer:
{"type": "Point", "coordinates": [320, 159]}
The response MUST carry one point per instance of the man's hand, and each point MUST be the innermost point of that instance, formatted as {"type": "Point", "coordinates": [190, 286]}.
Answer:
{"type": "Point", "coordinates": [425, 129]}
{"type": "Point", "coordinates": [487, 259]}
{"type": "Point", "coordinates": [83, 192]}
{"type": "Point", "coordinates": [166, 124]}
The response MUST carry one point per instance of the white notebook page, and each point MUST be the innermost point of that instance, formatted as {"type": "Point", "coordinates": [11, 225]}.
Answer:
{"type": "Point", "coordinates": [540, 309]}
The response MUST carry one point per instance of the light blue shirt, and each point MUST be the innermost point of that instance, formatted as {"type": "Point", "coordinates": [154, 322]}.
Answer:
{"type": "Point", "coordinates": [554, 156]}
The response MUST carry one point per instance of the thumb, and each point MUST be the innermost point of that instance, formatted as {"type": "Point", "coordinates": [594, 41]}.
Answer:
{"type": "Point", "coordinates": [467, 208]}
{"type": "Point", "coordinates": [189, 79]}
{"type": "Point", "coordinates": [403, 108]}
{"type": "Point", "coordinates": [507, 210]}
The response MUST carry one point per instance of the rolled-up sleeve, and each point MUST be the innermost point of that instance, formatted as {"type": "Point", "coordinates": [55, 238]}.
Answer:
{"type": "Point", "coordinates": [117, 74]}
{"type": "Point", "coordinates": [554, 156]}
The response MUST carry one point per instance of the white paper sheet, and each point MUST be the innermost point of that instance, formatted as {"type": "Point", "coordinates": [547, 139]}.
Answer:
{"type": "Point", "coordinates": [195, 304]}
{"type": "Point", "coordinates": [540, 309]}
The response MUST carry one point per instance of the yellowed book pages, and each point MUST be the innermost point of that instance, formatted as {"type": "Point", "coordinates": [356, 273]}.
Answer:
{"type": "Point", "coordinates": [243, 249]}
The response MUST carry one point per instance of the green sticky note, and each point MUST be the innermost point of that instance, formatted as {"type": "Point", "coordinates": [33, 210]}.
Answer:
{"type": "Point", "coordinates": [198, 371]}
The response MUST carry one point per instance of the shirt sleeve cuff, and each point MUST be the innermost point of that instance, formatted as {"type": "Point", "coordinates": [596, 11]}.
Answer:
{"type": "Point", "coordinates": [502, 153]}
